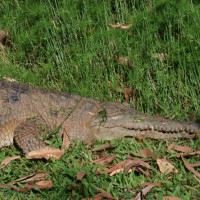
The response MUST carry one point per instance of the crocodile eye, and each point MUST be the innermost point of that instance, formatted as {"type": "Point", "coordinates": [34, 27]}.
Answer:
{"type": "Point", "coordinates": [14, 98]}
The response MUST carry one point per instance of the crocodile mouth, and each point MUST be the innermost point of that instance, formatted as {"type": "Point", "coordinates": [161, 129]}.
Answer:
{"type": "Point", "coordinates": [146, 126]}
{"type": "Point", "coordinates": [120, 131]}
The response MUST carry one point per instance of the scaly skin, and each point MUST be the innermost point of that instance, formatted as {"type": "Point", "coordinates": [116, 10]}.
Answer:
{"type": "Point", "coordinates": [25, 109]}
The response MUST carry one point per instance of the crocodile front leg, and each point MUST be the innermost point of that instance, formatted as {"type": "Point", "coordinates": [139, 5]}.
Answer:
{"type": "Point", "coordinates": [26, 135]}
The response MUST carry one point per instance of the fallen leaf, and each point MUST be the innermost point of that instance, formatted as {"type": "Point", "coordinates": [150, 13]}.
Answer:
{"type": "Point", "coordinates": [19, 189]}
{"type": "Point", "coordinates": [3, 34]}
{"type": "Point", "coordinates": [128, 92]}
{"type": "Point", "coordinates": [117, 171]}
{"type": "Point", "coordinates": [184, 149]}
{"type": "Point", "coordinates": [136, 162]}
{"type": "Point", "coordinates": [104, 193]}
{"type": "Point", "coordinates": [171, 146]}
{"type": "Point", "coordinates": [4, 186]}
{"type": "Point", "coordinates": [145, 190]}
{"type": "Point", "coordinates": [195, 165]}
{"type": "Point", "coordinates": [190, 168]}
{"type": "Point", "coordinates": [197, 179]}
{"type": "Point", "coordinates": [5, 41]}
{"type": "Point", "coordinates": [191, 187]}
{"type": "Point", "coordinates": [105, 161]}
{"type": "Point", "coordinates": [187, 154]}
{"type": "Point", "coordinates": [101, 195]}
{"type": "Point", "coordinates": [120, 26]}
{"type": "Point", "coordinates": [46, 152]}
{"type": "Point", "coordinates": [29, 182]}
{"type": "Point", "coordinates": [160, 56]}
{"type": "Point", "coordinates": [147, 153]}
{"type": "Point", "coordinates": [126, 166]}
{"type": "Point", "coordinates": [117, 166]}
{"type": "Point", "coordinates": [165, 166]}
{"type": "Point", "coordinates": [102, 147]}
{"type": "Point", "coordinates": [126, 27]}
{"type": "Point", "coordinates": [66, 140]}
{"type": "Point", "coordinates": [40, 185]}
{"type": "Point", "coordinates": [170, 198]}
{"type": "Point", "coordinates": [9, 79]}
{"type": "Point", "coordinates": [31, 178]}
{"type": "Point", "coordinates": [80, 176]}
{"type": "Point", "coordinates": [122, 60]}
{"type": "Point", "coordinates": [8, 160]}
{"type": "Point", "coordinates": [145, 184]}
{"type": "Point", "coordinates": [146, 173]}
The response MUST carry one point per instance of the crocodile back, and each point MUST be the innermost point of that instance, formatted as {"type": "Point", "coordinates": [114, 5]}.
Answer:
{"type": "Point", "coordinates": [19, 102]}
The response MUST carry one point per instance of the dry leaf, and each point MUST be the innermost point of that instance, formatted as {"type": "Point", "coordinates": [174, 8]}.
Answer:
{"type": "Point", "coordinates": [145, 190]}
{"type": "Point", "coordinates": [171, 146]}
{"type": "Point", "coordinates": [104, 193]}
{"type": "Point", "coordinates": [190, 167]}
{"type": "Point", "coordinates": [165, 166]}
{"type": "Point", "coordinates": [102, 147]}
{"type": "Point", "coordinates": [100, 196]}
{"type": "Point", "coordinates": [3, 186]}
{"type": "Point", "coordinates": [117, 171]}
{"type": "Point", "coordinates": [66, 140]}
{"type": "Point", "coordinates": [184, 149]}
{"type": "Point", "coordinates": [147, 153]}
{"type": "Point", "coordinates": [122, 60]}
{"type": "Point", "coordinates": [80, 176]}
{"type": "Point", "coordinates": [160, 56]}
{"type": "Point", "coordinates": [105, 161]}
{"type": "Point", "coordinates": [9, 79]}
{"type": "Point", "coordinates": [186, 154]}
{"type": "Point", "coordinates": [126, 27]}
{"type": "Point", "coordinates": [19, 189]}
{"type": "Point", "coordinates": [120, 26]}
{"type": "Point", "coordinates": [170, 198]}
{"type": "Point", "coordinates": [46, 152]}
{"type": "Point", "coordinates": [7, 161]}
{"type": "Point", "coordinates": [195, 165]}
{"type": "Point", "coordinates": [146, 173]}
{"type": "Point", "coordinates": [30, 182]}
{"type": "Point", "coordinates": [117, 166]}
{"type": "Point", "coordinates": [48, 184]}
{"type": "Point", "coordinates": [191, 187]}
{"type": "Point", "coordinates": [128, 93]}
{"type": "Point", "coordinates": [3, 35]}
{"type": "Point", "coordinates": [126, 166]}
{"type": "Point", "coordinates": [136, 162]}
{"type": "Point", "coordinates": [5, 41]}
{"type": "Point", "coordinates": [31, 178]}
{"type": "Point", "coordinates": [40, 185]}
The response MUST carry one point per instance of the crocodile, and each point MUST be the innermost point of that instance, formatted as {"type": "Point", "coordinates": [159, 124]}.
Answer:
{"type": "Point", "coordinates": [26, 112]}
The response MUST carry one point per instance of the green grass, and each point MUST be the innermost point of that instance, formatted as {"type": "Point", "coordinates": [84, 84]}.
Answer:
{"type": "Point", "coordinates": [68, 46]}
{"type": "Point", "coordinates": [63, 173]}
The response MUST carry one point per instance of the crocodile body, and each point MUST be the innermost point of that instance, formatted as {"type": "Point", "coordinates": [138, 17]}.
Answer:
{"type": "Point", "coordinates": [25, 109]}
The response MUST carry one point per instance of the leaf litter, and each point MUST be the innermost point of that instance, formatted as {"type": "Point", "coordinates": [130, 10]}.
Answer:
{"type": "Point", "coordinates": [129, 165]}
